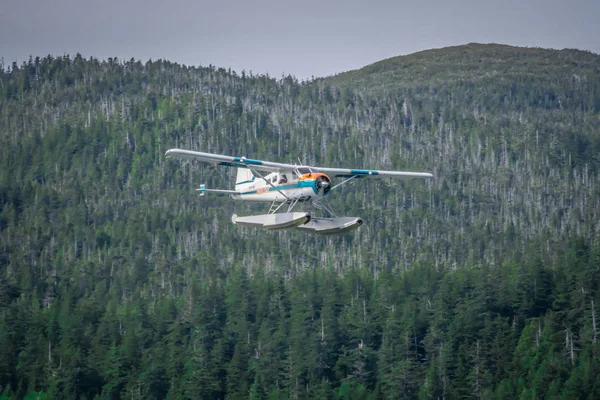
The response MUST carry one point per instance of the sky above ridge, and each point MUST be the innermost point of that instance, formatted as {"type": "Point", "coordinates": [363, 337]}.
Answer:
{"type": "Point", "coordinates": [302, 38]}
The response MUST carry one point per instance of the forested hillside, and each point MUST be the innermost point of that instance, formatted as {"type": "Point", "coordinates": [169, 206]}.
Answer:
{"type": "Point", "coordinates": [116, 281]}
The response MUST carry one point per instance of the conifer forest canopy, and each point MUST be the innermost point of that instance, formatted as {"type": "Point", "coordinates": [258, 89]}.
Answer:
{"type": "Point", "coordinates": [116, 281]}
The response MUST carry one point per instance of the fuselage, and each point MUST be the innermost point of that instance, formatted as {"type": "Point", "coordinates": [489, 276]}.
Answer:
{"type": "Point", "coordinates": [284, 187]}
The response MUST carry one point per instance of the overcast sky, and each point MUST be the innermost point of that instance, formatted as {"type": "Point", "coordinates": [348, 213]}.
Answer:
{"type": "Point", "coordinates": [303, 38]}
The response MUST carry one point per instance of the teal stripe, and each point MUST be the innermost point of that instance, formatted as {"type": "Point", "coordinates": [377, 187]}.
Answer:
{"type": "Point", "coordinates": [363, 172]}
{"type": "Point", "coordinates": [240, 163]}
{"type": "Point", "coordinates": [241, 183]}
{"type": "Point", "coordinates": [297, 185]}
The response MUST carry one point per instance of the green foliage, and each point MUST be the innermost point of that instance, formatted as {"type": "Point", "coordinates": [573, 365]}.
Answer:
{"type": "Point", "coordinates": [115, 281]}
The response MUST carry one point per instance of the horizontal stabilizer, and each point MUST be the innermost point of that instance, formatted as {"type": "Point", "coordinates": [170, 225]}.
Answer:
{"type": "Point", "coordinates": [203, 190]}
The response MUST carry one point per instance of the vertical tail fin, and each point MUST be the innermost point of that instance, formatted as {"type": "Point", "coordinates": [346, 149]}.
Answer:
{"type": "Point", "coordinates": [245, 177]}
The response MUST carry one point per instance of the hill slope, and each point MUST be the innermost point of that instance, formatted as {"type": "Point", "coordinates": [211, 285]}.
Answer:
{"type": "Point", "coordinates": [115, 279]}
{"type": "Point", "coordinates": [476, 63]}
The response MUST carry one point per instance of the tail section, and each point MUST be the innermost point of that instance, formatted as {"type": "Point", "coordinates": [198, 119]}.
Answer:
{"type": "Point", "coordinates": [244, 178]}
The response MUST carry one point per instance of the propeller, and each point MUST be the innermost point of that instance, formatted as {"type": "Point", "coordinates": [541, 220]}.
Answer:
{"type": "Point", "coordinates": [323, 185]}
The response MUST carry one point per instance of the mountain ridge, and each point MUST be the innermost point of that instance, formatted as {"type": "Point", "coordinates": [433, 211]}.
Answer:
{"type": "Point", "coordinates": [474, 62]}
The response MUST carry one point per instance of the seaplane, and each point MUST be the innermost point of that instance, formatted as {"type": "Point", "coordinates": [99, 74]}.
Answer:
{"type": "Point", "coordinates": [285, 186]}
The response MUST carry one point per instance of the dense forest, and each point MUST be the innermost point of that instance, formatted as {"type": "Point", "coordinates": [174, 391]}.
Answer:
{"type": "Point", "coordinates": [116, 281]}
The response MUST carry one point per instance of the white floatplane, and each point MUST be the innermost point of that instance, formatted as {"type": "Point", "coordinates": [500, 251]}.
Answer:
{"type": "Point", "coordinates": [287, 184]}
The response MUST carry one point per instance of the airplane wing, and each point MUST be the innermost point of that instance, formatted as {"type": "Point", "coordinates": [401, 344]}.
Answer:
{"type": "Point", "coordinates": [370, 173]}
{"type": "Point", "coordinates": [243, 162]}
{"type": "Point", "coordinates": [228, 161]}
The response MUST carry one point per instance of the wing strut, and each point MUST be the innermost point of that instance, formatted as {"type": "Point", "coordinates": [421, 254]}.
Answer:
{"type": "Point", "coordinates": [342, 182]}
